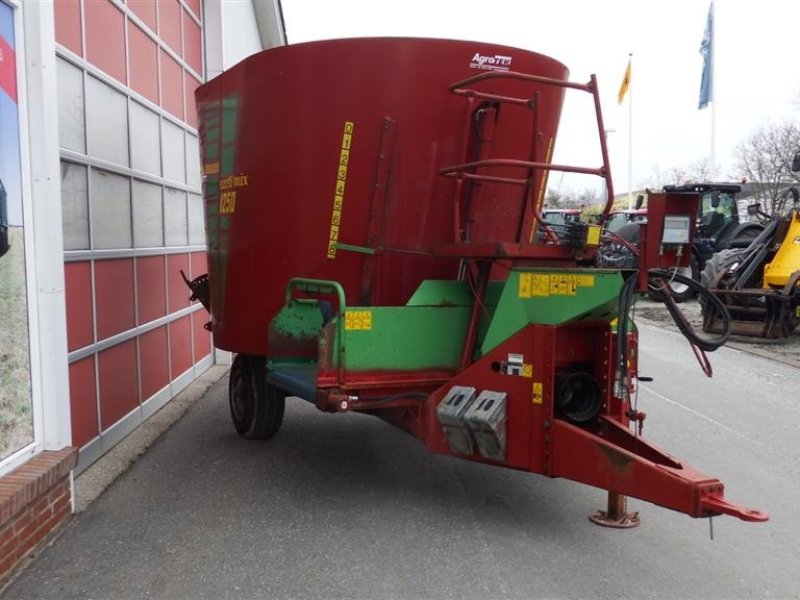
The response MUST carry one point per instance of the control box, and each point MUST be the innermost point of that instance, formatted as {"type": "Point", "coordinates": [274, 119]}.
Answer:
{"type": "Point", "coordinates": [671, 227]}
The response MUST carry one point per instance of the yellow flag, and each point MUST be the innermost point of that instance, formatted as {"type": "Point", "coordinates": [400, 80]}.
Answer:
{"type": "Point", "coordinates": [626, 83]}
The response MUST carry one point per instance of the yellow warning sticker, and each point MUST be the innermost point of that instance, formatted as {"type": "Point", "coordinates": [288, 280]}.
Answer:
{"type": "Point", "coordinates": [358, 320]}
{"type": "Point", "coordinates": [540, 285]}
{"type": "Point", "coordinates": [527, 370]}
{"type": "Point", "coordinates": [563, 285]}
{"type": "Point", "coordinates": [537, 392]}
{"type": "Point", "coordinates": [593, 235]}
{"type": "Point", "coordinates": [533, 285]}
{"type": "Point", "coordinates": [525, 285]}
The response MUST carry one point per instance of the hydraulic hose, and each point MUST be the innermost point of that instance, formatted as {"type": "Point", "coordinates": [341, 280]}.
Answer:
{"type": "Point", "coordinates": [714, 303]}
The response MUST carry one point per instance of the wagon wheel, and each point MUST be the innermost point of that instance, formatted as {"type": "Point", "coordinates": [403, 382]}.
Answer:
{"type": "Point", "coordinates": [256, 405]}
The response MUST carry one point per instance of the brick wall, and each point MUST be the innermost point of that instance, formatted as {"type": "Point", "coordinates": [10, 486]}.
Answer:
{"type": "Point", "coordinates": [35, 500]}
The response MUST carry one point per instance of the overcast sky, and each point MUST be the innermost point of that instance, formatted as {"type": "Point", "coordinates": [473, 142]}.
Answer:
{"type": "Point", "coordinates": [756, 46]}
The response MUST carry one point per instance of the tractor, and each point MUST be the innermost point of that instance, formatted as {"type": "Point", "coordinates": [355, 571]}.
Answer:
{"type": "Point", "coordinates": [760, 284]}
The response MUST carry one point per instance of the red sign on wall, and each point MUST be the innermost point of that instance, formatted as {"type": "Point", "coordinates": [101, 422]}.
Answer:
{"type": "Point", "coordinates": [8, 69]}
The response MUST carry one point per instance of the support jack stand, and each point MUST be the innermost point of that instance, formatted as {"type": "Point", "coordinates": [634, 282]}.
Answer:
{"type": "Point", "coordinates": [616, 516]}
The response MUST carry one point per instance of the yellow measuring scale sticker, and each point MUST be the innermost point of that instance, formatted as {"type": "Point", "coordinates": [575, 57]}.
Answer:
{"type": "Point", "coordinates": [341, 179]}
{"type": "Point", "coordinates": [358, 320]}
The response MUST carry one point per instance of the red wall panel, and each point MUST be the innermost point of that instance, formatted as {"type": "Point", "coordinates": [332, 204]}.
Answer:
{"type": "Point", "coordinates": [191, 107]}
{"type": "Point", "coordinates": [105, 38]}
{"type": "Point", "coordinates": [151, 288]}
{"type": "Point", "coordinates": [78, 286]}
{"type": "Point", "coordinates": [202, 338]}
{"type": "Point", "coordinates": [67, 15]}
{"type": "Point", "coordinates": [113, 281]}
{"type": "Point", "coordinates": [83, 401]}
{"type": "Point", "coordinates": [180, 346]}
{"type": "Point", "coordinates": [195, 6]}
{"type": "Point", "coordinates": [192, 44]}
{"type": "Point", "coordinates": [119, 392]}
{"type": "Point", "coordinates": [199, 263]}
{"type": "Point", "coordinates": [171, 85]}
{"type": "Point", "coordinates": [178, 293]}
{"type": "Point", "coordinates": [169, 23]}
{"type": "Point", "coordinates": [145, 10]}
{"type": "Point", "coordinates": [154, 362]}
{"type": "Point", "coordinates": [143, 61]}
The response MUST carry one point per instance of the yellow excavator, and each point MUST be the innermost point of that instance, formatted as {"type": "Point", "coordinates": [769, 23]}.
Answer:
{"type": "Point", "coordinates": [760, 284]}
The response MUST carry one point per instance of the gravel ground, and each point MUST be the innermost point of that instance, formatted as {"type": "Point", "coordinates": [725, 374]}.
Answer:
{"type": "Point", "coordinates": [786, 351]}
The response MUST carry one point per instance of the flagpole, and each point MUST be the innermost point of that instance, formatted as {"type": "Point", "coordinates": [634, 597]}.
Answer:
{"type": "Point", "coordinates": [707, 84]}
{"type": "Point", "coordinates": [713, 98]}
{"type": "Point", "coordinates": [630, 139]}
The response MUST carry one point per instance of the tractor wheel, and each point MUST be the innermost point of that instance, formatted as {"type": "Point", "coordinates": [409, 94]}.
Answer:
{"type": "Point", "coordinates": [717, 262]}
{"type": "Point", "coordinates": [680, 291]}
{"type": "Point", "coordinates": [256, 405]}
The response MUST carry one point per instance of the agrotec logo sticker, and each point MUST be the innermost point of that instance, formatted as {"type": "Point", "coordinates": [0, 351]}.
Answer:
{"type": "Point", "coordinates": [494, 62]}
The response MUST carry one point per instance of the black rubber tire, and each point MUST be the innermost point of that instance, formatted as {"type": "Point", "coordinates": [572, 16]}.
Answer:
{"type": "Point", "coordinates": [256, 406]}
{"type": "Point", "coordinates": [680, 291]}
{"type": "Point", "coordinates": [717, 262]}
{"type": "Point", "coordinates": [713, 265]}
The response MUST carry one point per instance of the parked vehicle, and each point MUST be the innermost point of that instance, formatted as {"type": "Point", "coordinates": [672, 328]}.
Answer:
{"type": "Point", "coordinates": [620, 218]}
{"type": "Point", "coordinates": [760, 284]}
{"type": "Point", "coordinates": [718, 228]}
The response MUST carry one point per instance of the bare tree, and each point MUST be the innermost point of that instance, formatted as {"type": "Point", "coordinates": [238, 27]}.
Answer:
{"type": "Point", "coordinates": [765, 158]}
{"type": "Point", "coordinates": [701, 170]}
{"type": "Point", "coordinates": [553, 199]}
{"type": "Point", "coordinates": [676, 176]}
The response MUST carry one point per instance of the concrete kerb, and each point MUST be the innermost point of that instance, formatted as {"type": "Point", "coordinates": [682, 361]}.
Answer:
{"type": "Point", "coordinates": [91, 483]}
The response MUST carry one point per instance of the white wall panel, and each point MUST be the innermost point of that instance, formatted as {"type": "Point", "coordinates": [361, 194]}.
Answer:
{"type": "Point", "coordinates": [111, 210]}
{"type": "Point", "coordinates": [71, 127]}
{"type": "Point", "coordinates": [174, 152]}
{"type": "Point", "coordinates": [74, 206]}
{"type": "Point", "coordinates": [145, 141]}
{"type": "Point", "coordinates": [175, 230]}
{"type": "Point", "coordinates": [197, 233]}
{"type": "Point", "coordinates": [148, 215]}
{"type": "Point", "coordinates": [106, 122]}
{"type": "Point", "coordinates": [193, 161]}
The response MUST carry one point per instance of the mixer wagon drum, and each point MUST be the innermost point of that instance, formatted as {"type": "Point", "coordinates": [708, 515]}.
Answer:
{"type": "Point", "coordinates": [321, 160]}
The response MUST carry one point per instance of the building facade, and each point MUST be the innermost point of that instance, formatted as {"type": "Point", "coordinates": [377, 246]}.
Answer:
{"type": "Point", "coordinates": [101, 216]}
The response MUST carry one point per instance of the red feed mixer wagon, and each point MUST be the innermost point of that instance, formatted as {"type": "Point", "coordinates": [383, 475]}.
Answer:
{"type": "Point", "coordinates": [376, 244]}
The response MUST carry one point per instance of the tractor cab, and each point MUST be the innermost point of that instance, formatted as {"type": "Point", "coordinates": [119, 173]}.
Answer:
{"type": "Point", "coordinates": [718, 212]}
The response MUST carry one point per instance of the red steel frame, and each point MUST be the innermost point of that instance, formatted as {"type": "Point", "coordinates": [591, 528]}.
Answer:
{"type": "Point", "coordinates": [606, 454]}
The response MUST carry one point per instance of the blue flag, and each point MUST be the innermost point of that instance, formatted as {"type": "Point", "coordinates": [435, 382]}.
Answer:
{"type": "Point", "coordinates": [706, 50]}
